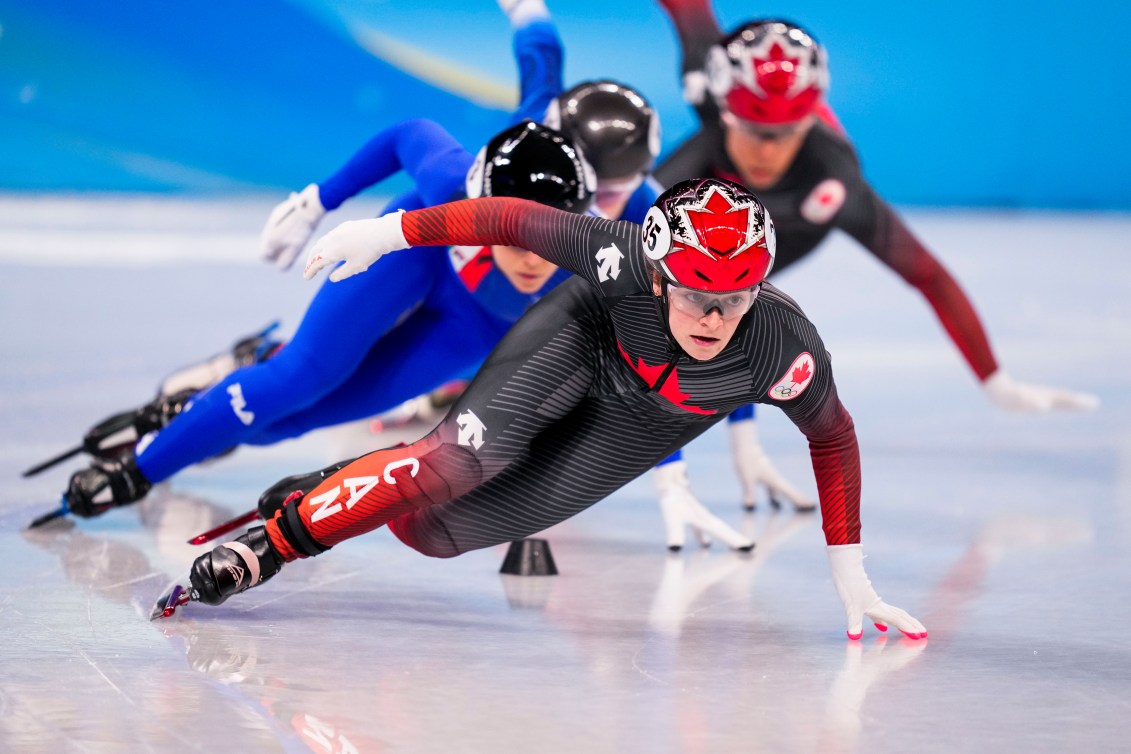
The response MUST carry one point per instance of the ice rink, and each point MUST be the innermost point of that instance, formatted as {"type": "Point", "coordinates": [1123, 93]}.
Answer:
{"type": "Point", "coordinates": [1008, 536]}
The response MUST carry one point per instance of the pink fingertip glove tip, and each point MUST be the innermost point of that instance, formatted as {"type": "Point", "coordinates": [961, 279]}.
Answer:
{"type": "Point", "coordinates": [881, 628]}
{"type": "Point", "coordinates": [855, 637]}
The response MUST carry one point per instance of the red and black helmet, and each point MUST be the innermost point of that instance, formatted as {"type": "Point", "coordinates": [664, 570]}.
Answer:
{"type": "Point", "coordinates": [768, 71]}
{"type": "Point", "coordinates": [710, 234]}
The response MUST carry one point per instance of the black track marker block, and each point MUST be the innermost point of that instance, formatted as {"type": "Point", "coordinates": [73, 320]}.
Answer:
{"type": "Point", "coordinates": [529, 557]}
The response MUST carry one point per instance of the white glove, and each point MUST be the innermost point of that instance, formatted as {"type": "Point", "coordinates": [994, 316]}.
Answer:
{"type": "Point", "coordinates": [289, 226]}
{"type": "Point", "coordinates": [522, 12]}
{"type": "Point", "coordinates": [358, 243]}
{"type": "Point", "coordinates": [680, 509]}
{"type": "Point", "coordinates": [1012, 395]}
{"type": "Point", "coordinates": [695, 87]}
{"type": "Point", "coordinates": [755, 469]}
{"type": "Point", "coordinates": [860, 598]}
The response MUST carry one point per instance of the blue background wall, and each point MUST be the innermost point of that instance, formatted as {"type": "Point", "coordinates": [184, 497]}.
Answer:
{"type": "Point", "coordinates": [1017, 105]}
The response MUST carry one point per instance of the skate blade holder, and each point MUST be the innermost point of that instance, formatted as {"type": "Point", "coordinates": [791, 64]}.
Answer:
{"type": "Point", "coordinates": [169, 602]}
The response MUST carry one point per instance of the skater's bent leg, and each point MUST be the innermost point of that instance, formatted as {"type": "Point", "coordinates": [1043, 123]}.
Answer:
{"type": "Point", "coordinates": [538, 373]}
{"type": "Point", "coordinates": [430, 348]}
{"type": "Point", "coordinates": [579, 461]}
{"type": "Point", "coordinates": [371, 491]}
{"type": "Point", "coordinates": [323, 353]}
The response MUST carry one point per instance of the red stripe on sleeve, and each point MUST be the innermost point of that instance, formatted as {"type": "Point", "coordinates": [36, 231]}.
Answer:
{"type": "Point", "coordinates": [836, 465]}
{"type": "Point", "coordinates": [468, 222]}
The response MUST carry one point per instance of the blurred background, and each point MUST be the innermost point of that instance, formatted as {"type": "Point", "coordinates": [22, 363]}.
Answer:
{"type": "Point", "coordinates": [1005, 105]}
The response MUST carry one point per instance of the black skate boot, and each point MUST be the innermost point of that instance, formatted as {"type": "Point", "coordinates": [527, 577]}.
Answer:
{"type": "Point", "coordinates": [234, 566]}
{"type": "Point", "coordinates": [245, 352]}
{"type": "Point", "coordinates": [271, 501]}
{"type": "Point", "coordinates": [108, 483]}
{"type": "Point", "coordinates": [118, 434]}
{"type": "Point", "coordinates": [109, 438]}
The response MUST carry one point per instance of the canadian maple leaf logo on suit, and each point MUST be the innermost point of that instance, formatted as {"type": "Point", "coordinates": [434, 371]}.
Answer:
{"type": "Point", "coordinates": [793, 383]}
{"type": "Point", "coordinates": [801, 374]}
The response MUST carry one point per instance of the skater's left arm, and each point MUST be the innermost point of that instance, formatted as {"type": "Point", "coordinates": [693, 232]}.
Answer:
{"type": "Point", "coordinates": [833, 448]}
{"type": "Point", "coordinates": [819, 414]}
{"type": "Point", "coordinates": [872, 222]}
{"type": "Point", "coordinates": [876, 226]}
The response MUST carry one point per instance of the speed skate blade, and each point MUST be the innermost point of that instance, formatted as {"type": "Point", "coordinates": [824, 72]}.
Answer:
{"type": "Point", "coordinates": [169, 602]}
{"type": "Point", "coordinates": [63, 509]}
{"type": "Point", "coordinates": [52, 461]}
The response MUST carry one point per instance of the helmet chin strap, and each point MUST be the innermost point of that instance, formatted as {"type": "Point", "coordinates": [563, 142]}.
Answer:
{"type": "Point", "coordinates": [664, 305]}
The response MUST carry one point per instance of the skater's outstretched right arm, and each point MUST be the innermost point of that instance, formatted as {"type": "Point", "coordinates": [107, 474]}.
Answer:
{"type": "Point", "coordinates": [563, 238]}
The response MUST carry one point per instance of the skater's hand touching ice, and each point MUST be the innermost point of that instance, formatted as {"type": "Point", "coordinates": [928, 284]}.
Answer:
{"type": "Point", "coordinates": [356, 245]}
{"type": "Point", "coordinates": [860, 599]}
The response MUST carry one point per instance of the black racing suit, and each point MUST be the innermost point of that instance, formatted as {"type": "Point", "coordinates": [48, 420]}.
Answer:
{"type": "Point", "coordinates": [585, 393]}
{"type": "Point", "coordinates": [823, 189]}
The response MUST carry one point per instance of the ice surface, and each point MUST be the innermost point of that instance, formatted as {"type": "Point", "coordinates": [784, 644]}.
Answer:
{"type": "Point", "coordinates": [1008, 536]}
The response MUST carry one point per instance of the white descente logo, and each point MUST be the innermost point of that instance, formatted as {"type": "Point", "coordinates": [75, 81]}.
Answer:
{"type": "Point", "coordinates": [608, 263]}
{"type": "Point", "coordinates": [471, 429]}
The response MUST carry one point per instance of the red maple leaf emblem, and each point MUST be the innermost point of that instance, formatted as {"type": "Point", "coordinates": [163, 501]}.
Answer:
{"type": "Point", "coordinates": [650, 374]}
{"type": "Point", "coordinates": [801, 373]}
{"type": "Point", "coordinates": [720, 225]}
{"type": "Point", "coordinates": [670, 389]}
{"type": "Point", "coordinates": [777, 71]}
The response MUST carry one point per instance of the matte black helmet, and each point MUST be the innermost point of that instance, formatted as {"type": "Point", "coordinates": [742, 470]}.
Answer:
{"type": "Point", "coordinates": [613, 124]}
{"type": "Point", "coordinates": [530, 161]}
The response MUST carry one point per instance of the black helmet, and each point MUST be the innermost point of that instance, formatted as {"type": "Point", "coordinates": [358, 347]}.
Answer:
{"type": "Point", "coordinates": [531, 161]}
{"type": "Point", "coordinates": [616, 127]}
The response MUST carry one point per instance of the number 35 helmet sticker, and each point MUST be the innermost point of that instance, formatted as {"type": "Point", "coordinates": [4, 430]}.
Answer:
{"type": "Point", "coordinates": [795, 380]}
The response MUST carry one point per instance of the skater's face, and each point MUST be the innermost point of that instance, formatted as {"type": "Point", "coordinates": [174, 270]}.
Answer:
{"type": "Point", "coordinates": [525, 270]}
{"type": "Point", "coordinates": [702, 336]}
{"type": "Point", "coordinates": [762, 154]}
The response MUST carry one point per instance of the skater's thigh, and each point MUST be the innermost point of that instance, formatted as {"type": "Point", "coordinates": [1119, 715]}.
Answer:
{"type": "Point", "coordinates": [598, 448]}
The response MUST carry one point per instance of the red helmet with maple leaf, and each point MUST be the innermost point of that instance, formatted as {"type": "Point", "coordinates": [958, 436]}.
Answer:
{"type": "Point", "coordinates": [710, 234]}
{"type": "Point", "coordinates": [768, 71]}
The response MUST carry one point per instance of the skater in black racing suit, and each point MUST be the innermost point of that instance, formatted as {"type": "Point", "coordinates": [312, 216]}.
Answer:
{"type": "Point", "coordinates": [665, 329]}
